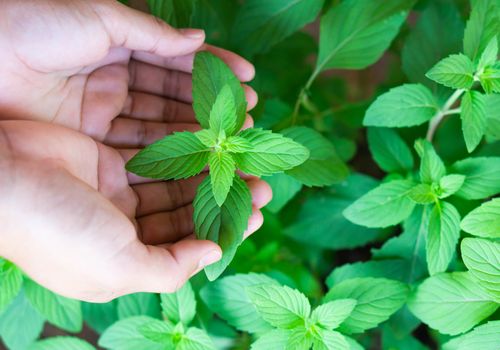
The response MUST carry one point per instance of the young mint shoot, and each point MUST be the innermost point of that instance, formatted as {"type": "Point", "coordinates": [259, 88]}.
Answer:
{"type": "Point", "coordinates": [223, 203]}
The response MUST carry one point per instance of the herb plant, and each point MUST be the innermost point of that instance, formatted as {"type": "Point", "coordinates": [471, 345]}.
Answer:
{"type": "Point", "coordinates": [378, 129]}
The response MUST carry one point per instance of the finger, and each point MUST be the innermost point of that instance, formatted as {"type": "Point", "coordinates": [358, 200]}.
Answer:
{"type": "Point", "coordinates": [251, 97]}
{"type": "Point", "coordinates": [138, 133]}
{"type": "Point", "coordinates": [165, 227]}
{"type": "Point", "coordinates": [254, 223]}
{"type": "Point", "coordinates": [165, 270]}
{"type": "Point", "coordinates": [166, 196]}
{"type": "Point", "coordinates": [243, 69]}
{"type": "Point", "coordinates": [149, 107]}
{"type": "Point", "coordinates": [136, 30]}
{"type": "Point", "coordinates": [261, 192]}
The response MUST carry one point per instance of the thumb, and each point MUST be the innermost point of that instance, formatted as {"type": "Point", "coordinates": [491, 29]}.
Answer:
{"type": "Point", "coordinates": [138, 31]}
{"type": "Point", "coordinates": [165, 270]}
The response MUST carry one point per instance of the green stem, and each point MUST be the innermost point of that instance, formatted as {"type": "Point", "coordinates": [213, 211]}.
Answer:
{"type": "Point", "coordinates": [443, 112]}
{"type": "Point", "coordinates": [303, 94]}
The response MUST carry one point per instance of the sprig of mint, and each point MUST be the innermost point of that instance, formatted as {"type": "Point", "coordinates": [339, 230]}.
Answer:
{"type": "Point", "coordinates": [223, 202]}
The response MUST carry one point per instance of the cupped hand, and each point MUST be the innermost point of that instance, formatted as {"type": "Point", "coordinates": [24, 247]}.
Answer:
{"type": "Point", "coordinates": [118, 75]}
{"type": "Point", "coordinates": [78, 224]}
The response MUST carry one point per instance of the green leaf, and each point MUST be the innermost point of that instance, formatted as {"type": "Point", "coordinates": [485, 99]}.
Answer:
{"type": "Point", "coordinates": [422, 194]}
{"type": "Point", "coordinates": [432, 168]}
{"type": "Point", "coordinates": [60, 311]}
{"type": "Point", "coordinates": [330, 340]}
{"type": "Point", "coordinates": [178, 156]}
{"type": "Point", "coordinates": [284, 187]}
{"type": "Point", "coordinates": [222, 168]}
{"type": "Point", "coordinates": [450, 184]}
{"type": "Point", "coordinates": [180, 306]}
{"type": "Point", "coordinates": [226, 298]}
{"type": "Point", "coordinates": [482, 177]}
{"type": "Point", "coordinates": [177, 13]}
{"type": "Point", "coordinates": [484, 337]}
{"type": "Point", "coordinates": [333, 313]}
{"type": "Point", "coordinates": [299, 338]}
{"type": "Point", "coordinates": [490, 55]}
{"type": "Point", "coordinates": [484, 221]}
{"type": "Point", "coordinates": [271, 153]}
{"type": "Point", "coordinates": [11, 282]}
{"type": "Point", "coordinates": [452, 303]}
{"type": "Point", "coordinates": [223, 225]}
{"type": "Point", "coordinates": [125, 335]}
{"type": "Point", "coordinates": [100, 316]}
{"type": "Point", "coordinates": [159, 332]}
{"type": "Point", "coordinates": [386, 205]}
{"type": "Point", "coordinates": [195, 339]}
{"type": "Point", "coordinates": [139, 304]}
{"type": "Point", "coordinates": [403, 106]}
{"type": "Point", "coordinates": [281, 306]}
{"type": "Point", "coordinates": [323, 167]}
{"type": "Point", "coordinates": [442, 238]}
{"type": "Point", "coordinates": [58, 343]}
{"type": "Point", "coordinates": [490, 79]}
{"type": "Point", "coordinates": [482, 26]}
{"type": "Point", "coordinates": [210, 76]}
{"type": "Point", "coordinates": [389, 150]}
{"type": "Point", "coordinates": [361, 40]}
{"type": "Point", "coordinates": [493, 118]}
{"type": "Point", "coordinates": [473, 115]}
{"type": "Point", "coordinates": [455, 71]}
{"type": "Point", "coordinates": [207, 137]}
{"type": "Point", "coordinates": [237, 144]}
{"type": "Point", "coordinates": [377, 299]}
{"type": "Point", "coordinates": [276, 339]}
{"type": "Point", "coordinates": [20, 323]}
{"type": "Point", "coordinates": [482, 258]}
{"type": "Point", "coordinates": [261, 25]}
{"type": "Point", "coordinates": [223, 113]}
{"type": "Point", "coordinates": [423, 48]}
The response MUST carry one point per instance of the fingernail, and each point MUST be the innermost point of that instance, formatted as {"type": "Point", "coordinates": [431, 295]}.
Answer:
{"type": "Point", "coordinates": [193, 33]}
{"type": "Point", "coordinates": [210, 258]}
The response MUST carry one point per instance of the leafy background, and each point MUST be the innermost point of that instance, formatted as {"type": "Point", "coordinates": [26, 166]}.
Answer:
{"type": "Point", "coordinates": [325, 69]}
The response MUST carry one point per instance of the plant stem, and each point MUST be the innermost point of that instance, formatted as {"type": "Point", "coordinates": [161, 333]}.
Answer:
{"type": "Point", "coordinates": [443, 112]}
{"type": "Point", "coordinates": [302, 95]}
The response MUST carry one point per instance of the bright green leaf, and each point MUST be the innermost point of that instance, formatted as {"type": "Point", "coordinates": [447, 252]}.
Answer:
{"type": "Point", "coordinates": [139, 304]}
{"type": "Point", "coordinates": [330, 315]}
{"type": "Point", "coordinates": [490, 79]}
{"type": "Point", "coordinates": [422, 194]}
{"type": "Point", "coordinates": [223, 113]}
{"type": "Point", "coordinates": [158, 332]}
{"type": "Point", "coordinates": [482, 177]}
{"type": "Point", "coordinates": [126, 335]}
{"type": "Point", "coordinates": [11, 282]}
{"type": "Point", "coordinates": [276, 339]}
{"type": "Point", "coordinates": [450, 184]}
{"type": "Point", "coordinates": [455, 71]}
{"type": "Point", "coordinates": [330, 340]}
{"type": "Point", "coordinates": [222, 168]}
{"type": "Point", "coordinates": [432, 168]}
{"type": "Point", "coordinates": [179, 306]}
{"type": "Point", "coordinates": [484, 337]}
{"type": "Point", "coordinates": [284, 187]}
{"type": "Point", "coordinates": [389, 150]}
{"type": "Point", "coordinates": [490, 54]}
{"type": "Point", "coordinates": [195, 339]}
{"type": "Point", "coordinates": [484, 221]}
{"type": "Point", "coordinates": [59, 343]}
{"type": "Point", "coordinates": [473, 115]}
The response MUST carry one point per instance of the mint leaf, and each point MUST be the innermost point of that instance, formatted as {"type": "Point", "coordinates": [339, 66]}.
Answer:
{"type": "Point", "coordinates": [177, 13]}
{"type": "Point", "coordinates": [362, 40]}
{"type": "Point", "coordinates": [195, 339]}
{"type": "Point", "coordinates": [159, 332]}
{"type": "Point", "coordinates": [330, 340]}
{"type": "Point", "coordinates": [11, 282]}
{"type": "Point", "coordinates": [388, 268]}
{"type": "Point", "coordinates": [210, 75]}
{"type": "Point", "coordinates": [207, 137]}
{"type": "Point", "coordinates": [384, 206]}
{"type": "Point", "coordinates": [432, 168]}
{"type": "Point", "coordinates": [299, 338]}
{"type": "Point", "coordinates": [60, 311]}
{"type": "Point", "coordinates": [450, 184]}
{"type": "Point", "coordinates": [406, 105]}
{"type": "Point", "coordinates": [223, 225]}
{"type": "Point", "coordinates": [455, 71]}
{"type": "Point", "coordinates": [263, 24]}
{"type": "Point", "coordinates": [473, 115]}
{"type": "Point", "coordinates": [222, 168]}
{"type": "Point", "coordinates": [178, 156]}
{"type": "Point", "coordinates": [276, 339]}
{"type": "Point", "coordinates": [223, 113]}
{"type": "Point", "coordinates": [482, 258]}
{"type": "Point", "coordinates": [482, 177]}
{"type": "Point", "coordinates": [389, 150]}
{"type": "Point", "coordinates": [482, 26]}
{"type": "Point", "coordinates": [58, 343]}
{"type": "Point", "coordinates": [451, 303]}
{"type": "Point", "coordinates": [138, 304]}
{"type": "Point", "coordinates": [422, 194]}
{"type": "Point", "coordinates": [484, 221]}
{"type": "Point", "coordinates": [442, 238]}
{"type": "Point", "coordinates": [126, 335]}
{"type": "Point", "coordinates": [377, 299]}
{"type": "Point", "coordinates": [225, 298]}
{"type": "Point", "coordinates": [284, 187]}
{"type": "Point", "coordinates": [330, 315]}
{"type": "Point", "coordinates": [271, 153]}
{"type": "Point", "coordinates": [489, 56]}
{"type": "Point", "coordinates": [281, 306]}
{"type": "Point", "coordinates": [490, 79]}
{"type": "Point", "coordinates": [484, 337]}
{"type": "Point", "coordinates": [179, 306]}
{"type": "Point", "coordinates": [323, 167]}
{"type": "Point", "coordinates": [237, 144]}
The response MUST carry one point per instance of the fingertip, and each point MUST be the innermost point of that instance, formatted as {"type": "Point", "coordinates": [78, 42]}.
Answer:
{"type": "Point", "coordinates": [249, 123]}
{"type": "Point", "coordinates": [252, 97]}
{"type": "Point", "coordinates": [261, 193]}
{"type": "Point", "coordinates": [254, 223]}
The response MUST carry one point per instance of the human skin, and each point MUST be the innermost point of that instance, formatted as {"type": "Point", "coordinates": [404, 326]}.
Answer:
{"type": "Point", "coordinates": [75, 221]}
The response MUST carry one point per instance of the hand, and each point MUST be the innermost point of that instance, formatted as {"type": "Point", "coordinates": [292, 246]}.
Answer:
{"type": "Point", "coordinates": [118, 75]}
{"type": "Point", "coordinates": [78, 224]}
